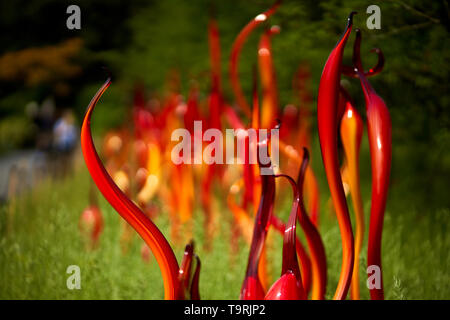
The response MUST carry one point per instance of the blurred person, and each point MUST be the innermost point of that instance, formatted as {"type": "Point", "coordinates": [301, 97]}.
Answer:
{"type": "Point", "coordinates": [64, 141]}
{"type": "Point", "coordinates": [43, 119]}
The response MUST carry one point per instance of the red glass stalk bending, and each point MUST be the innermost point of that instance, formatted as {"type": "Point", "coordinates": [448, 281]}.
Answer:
{"type": "Point", "coordinates": [327, 124]}
{"type": "Point", "coordinates": [215, 110]}
{"type": "Point", "coordinates": [270, 105]}
{"type": "Point", "coordinates": [189, 276]}
{"type": "Point", "coordinates": [236, 50]}
{"type": "Point", "coordinates": [351, 72]}
{"type": "Point", "coordinates": [289, 286]}
{"type": "Point", "coordinates": [184, 273]}
{"type": "Point", "coordinates": [380, 143]}
{"type": "Point", "coordinates": [351, 136]}
{"type": "Point", "coordinates": [252, 288]}
{"type": "Point", "coordinates": [315, 243]}
{"type": "Point", "coordinates": [304, 260]}
{"type": "Point", "coordinates": [249, 168]}
{"type": "Point", "coordinates": [127, 209]}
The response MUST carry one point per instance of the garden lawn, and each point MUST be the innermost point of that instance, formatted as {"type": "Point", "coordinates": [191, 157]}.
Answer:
{"type": "Point", "coordinates": [39, 239]}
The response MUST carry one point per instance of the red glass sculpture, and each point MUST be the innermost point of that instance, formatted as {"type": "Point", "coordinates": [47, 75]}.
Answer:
{"type": "Point", "coordinates": [380, 142]}
{"type": "Point", "coordinates": [327, 113]}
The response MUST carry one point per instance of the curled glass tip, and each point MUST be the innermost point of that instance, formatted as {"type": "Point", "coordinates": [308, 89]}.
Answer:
{"type": "Point", "coordinates": [352, 71]}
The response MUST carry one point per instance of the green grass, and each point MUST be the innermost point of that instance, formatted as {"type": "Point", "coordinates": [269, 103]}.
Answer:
{"type": "Point", "coordinates": [43, 240]}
